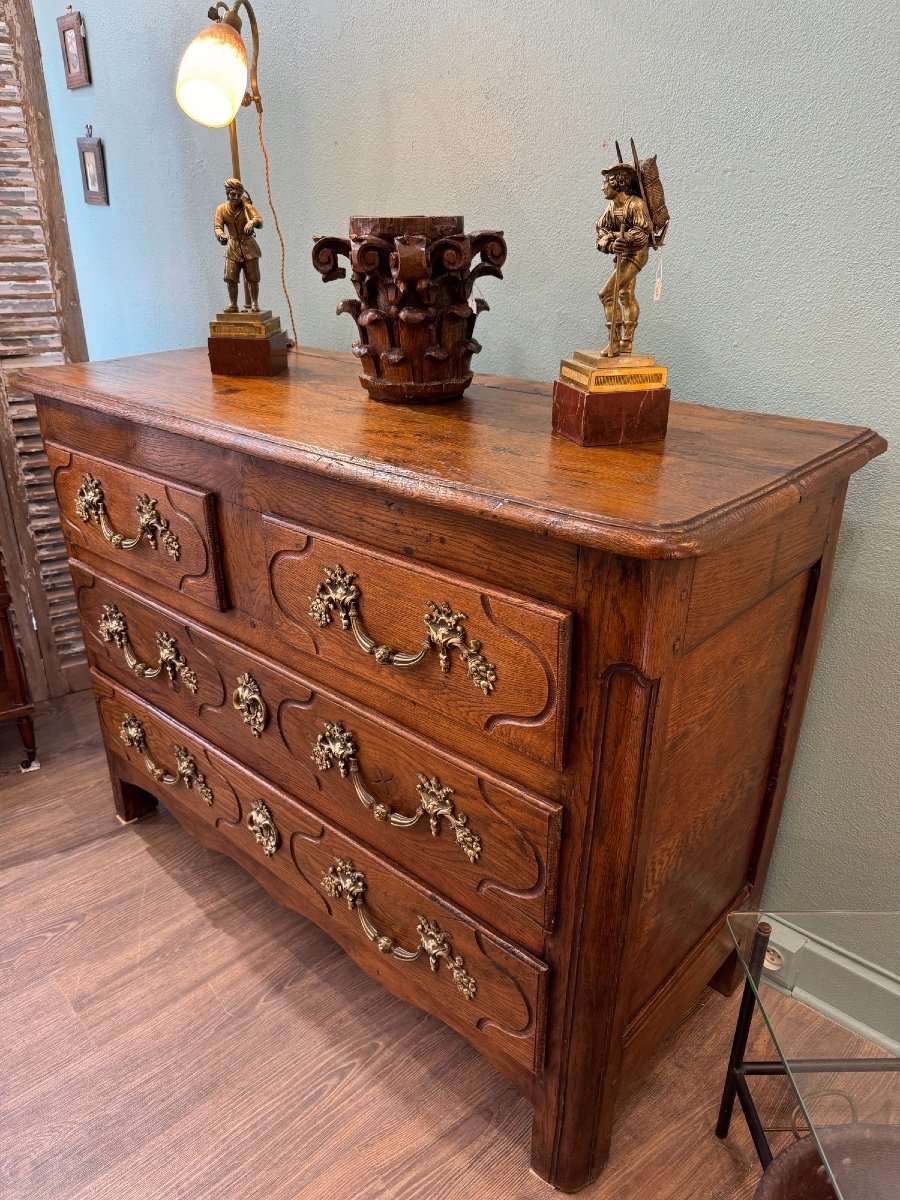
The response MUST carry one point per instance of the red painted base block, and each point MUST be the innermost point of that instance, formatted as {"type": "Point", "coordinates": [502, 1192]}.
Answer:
{"type": "Point", "coordinates": [248, 355]}
{"type": "Point", "coordinates": [609, 418]}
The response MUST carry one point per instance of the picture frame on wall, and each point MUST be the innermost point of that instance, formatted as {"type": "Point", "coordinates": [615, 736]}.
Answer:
{"type": "Point", "coordinates": [93, 169]}
{"type": "Point", "coordinates": [74, 49]}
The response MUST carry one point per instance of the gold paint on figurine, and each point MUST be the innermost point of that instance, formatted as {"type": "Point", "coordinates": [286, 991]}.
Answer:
{"type": "Point", "coordinates": [635, 220]}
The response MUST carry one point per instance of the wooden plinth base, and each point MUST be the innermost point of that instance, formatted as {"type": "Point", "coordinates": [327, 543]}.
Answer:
{"type": "Point", "coordinates": [390, 391]}
{"type": "Point", "coordinates": [609, 418]}
{"type": "Point", "coordinates": [248, 355]}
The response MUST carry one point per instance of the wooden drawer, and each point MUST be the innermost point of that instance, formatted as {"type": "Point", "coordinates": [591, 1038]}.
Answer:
{"type": "Point", "coordinates": [492, 661]}
{"type": "Point", "coordinates": [485, 987]}
{"type": "Point", "coordinates": [492, 846]}
{"type": "Point", "coordinates": [146, 523]}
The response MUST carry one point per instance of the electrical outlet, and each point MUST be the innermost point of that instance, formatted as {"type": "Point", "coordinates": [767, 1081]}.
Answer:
{"type": "Point", "coordinates": [781, 963]}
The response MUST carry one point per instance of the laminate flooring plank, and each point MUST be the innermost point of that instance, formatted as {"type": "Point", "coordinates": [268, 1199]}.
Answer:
{"type": "Point", "coordinates": [69, 800]}
{"type": "Point", "coordinates": [170, 1033]}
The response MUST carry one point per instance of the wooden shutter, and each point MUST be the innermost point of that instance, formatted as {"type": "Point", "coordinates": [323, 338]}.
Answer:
{"type": "Point", "coordinates": [39, 321]}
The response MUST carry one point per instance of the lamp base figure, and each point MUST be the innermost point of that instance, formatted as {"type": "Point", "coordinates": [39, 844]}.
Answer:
{"type": "Point", "coordinates": [247, 344]}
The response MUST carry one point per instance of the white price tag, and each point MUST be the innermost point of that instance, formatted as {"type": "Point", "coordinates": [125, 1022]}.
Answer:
{"type": "Point", "coordinates": [657, 285]}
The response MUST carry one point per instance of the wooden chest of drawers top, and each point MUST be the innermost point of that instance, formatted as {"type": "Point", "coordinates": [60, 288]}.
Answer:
{"type": "Point", "coordinates": [491, 454]}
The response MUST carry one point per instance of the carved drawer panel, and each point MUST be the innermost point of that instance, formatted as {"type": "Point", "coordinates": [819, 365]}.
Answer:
{"type": "Point", "coordinates": [494, 662]}
{"type": "Point", "coordinates": [490, 846]}
{"type": "Point", "coordinates": [140, 522]}
{"type": "Point", "coordinates": [410, 939]}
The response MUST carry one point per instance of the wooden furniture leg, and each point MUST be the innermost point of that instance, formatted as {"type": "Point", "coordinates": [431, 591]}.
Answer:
{"type": "Point", "coordinates": [15, 700]}
{"type": "Point", "coordinates": [132, 800]}
{"type": "Point", "coordinates": [26, 732]}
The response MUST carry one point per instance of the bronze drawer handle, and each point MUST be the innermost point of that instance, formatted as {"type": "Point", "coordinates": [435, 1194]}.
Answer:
{"type": "Point", "coordinates": [91, 506]}
{"type": "Point", "coordinates": [131, 731]}
{"type": "Point", "coordinates": [337, 745]}
{"type": "Point", "coordinates": [262, 825]}
{"type": "Point", "coordinates": [247, 699]}
{"type": "Point", "coordinates": [445, 629]}
{"type": "Point", "coordinates": [343, 880]}
{"type": "Point", "coordinates": [114, 628]}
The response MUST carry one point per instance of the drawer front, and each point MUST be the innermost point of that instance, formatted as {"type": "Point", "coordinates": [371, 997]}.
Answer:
{"type": "Point", "coordinates": [492, 661]}
{"type": "Point", "coordinates": [142, 522]}
{"type": "Point", "coordinates": [485, 987]}
{"type": "Point", "coordinates": [492, 846]}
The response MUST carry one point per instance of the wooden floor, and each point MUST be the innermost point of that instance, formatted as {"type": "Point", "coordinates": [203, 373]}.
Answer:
{"type": "Point", "coordinates": [170, 1033]}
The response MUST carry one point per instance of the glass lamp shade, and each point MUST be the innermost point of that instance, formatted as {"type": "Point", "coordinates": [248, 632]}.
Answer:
{"type": "Point", "coordinates": [212, 78]}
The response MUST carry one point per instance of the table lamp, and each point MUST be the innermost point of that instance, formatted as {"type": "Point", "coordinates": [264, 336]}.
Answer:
{"type": "Point", "coordinates": [212, 86]}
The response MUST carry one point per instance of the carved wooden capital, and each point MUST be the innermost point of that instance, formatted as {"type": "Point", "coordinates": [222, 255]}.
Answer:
{"type": "Point", "coordinates": [414, 311]}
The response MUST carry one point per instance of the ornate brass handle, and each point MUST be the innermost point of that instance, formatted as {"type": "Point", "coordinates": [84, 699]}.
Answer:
{"type": "Point", "coordinates": [445, 629]}
{"type": "Point", "coordinates": [337, 745]}
{"type": "Point", "coordinates": [90, 505]}
{"type": "Point", "coordinates": [131, 731]}
{"type": "Point", "coordinates": [247, 699]}
{"type": "Point", "coordinates": [262, 825]}
{"type": "Point", "coordinates": [344, 880]}
{"type": "Point", "coordinates": [114, 628]}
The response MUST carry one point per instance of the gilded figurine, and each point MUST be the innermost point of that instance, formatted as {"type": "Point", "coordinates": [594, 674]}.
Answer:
{"type": "Point", "coordinates": [235, 225]}
{"type": "Point", "coordinates": [635, 219]}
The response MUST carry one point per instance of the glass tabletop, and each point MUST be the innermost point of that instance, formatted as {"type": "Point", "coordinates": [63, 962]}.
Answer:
{"type": "Point", "coordinates": [841, 1050]}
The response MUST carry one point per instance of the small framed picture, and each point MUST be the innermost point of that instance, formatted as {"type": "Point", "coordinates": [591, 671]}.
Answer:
{"type": "Point", "coordinates": [74, 49]}
{"type": "Point", "coordinates": [93, 170]}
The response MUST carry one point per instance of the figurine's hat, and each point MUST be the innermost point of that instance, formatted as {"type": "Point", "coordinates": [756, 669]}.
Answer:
{"type": "Point", "coordinates": [621, 168]}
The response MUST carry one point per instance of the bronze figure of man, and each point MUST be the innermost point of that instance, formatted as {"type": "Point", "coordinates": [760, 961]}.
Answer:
{"type": "Point", "coordinates": [625, 231]}
{"type": "Point", "coordinates": [235, 223]}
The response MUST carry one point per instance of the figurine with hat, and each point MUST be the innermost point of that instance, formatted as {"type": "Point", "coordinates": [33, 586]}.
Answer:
{"type": "Point", "coordinates": [613, 396]}
{"type": "Point", "coordinates": [624, 230]}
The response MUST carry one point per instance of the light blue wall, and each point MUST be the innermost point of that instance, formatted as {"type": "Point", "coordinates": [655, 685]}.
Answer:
{"type": "Point", "coordinates": [776, 126]}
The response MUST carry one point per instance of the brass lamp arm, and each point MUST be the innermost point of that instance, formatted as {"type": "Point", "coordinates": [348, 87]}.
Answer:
{"type": "Point", "coordinates": [231, 16]}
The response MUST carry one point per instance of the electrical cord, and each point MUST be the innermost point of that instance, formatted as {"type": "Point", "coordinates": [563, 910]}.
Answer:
{"type": "Point", "coordinates": [265, 153]}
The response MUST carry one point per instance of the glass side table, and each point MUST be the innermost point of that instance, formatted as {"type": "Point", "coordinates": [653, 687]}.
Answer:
{"type": "Point", "coordinates": [841, 1055]}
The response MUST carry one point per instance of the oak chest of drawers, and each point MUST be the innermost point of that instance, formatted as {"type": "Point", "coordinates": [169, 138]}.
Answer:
{"type": "Point", "coordinates": [512, 720]}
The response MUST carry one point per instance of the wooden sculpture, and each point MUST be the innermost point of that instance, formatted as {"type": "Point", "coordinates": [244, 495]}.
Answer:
{"type": "Point", "coordinates": [415, 310]}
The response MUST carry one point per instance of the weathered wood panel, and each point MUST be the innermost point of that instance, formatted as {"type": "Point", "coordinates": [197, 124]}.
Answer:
{"type": "Point", "coordinates": [40, 322]}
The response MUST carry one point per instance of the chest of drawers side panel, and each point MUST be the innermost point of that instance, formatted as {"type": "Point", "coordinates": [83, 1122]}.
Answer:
{"type": "Point", "coordinates": [734, 688]}
{"type": "Point", "coordinates": [736, 692]}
